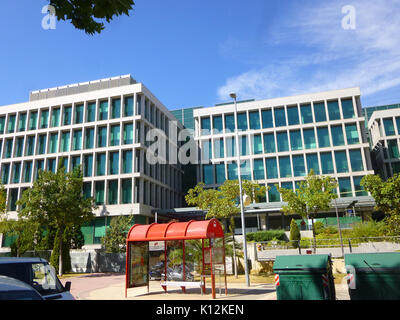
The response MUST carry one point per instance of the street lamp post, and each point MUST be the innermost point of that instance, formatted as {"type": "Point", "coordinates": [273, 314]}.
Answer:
{"type": "Point", "coordinates": [340, 230]}
{"type": "Point", "coordinates": [246, 269]}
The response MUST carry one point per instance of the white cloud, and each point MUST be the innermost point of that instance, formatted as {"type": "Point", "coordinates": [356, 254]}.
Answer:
{"type": "Point", "coordinates": [325, 56]}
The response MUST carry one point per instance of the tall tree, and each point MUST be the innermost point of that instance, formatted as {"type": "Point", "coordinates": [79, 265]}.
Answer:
{"type": "Point", "coordinates": [115, 237]}
{"type": "Point", "coordinates": [313, 195]}
{"type": "Point", "coordinates": [84, 13]}
{"type": "Point", "coordinates": [56, 201]}
{"type": "Point", "coordinates": [387, 199]}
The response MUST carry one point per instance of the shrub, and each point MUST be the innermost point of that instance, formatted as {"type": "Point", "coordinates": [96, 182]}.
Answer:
{"type": "Point", "coordinates": [319, 227]}
{"type": "Point", "coordinates": [267, 235]}
{"type": "Point", "coordinates": [369, 229]}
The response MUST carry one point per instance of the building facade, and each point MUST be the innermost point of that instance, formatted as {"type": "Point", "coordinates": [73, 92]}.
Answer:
{"type": "Point", "coordinates": [384, 131]}
{"type": "Point", "coordinates": [102, 126]}
{"type": "Point", "coordinates": [281, 140]}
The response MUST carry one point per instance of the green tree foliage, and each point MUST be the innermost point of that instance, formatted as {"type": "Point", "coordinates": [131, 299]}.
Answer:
{"type": "Point", "coordinates": [313, 195]}
{"type": "Point", "coordinates": [56, 202]}
{"type": "Point", "coordinates": [387, 199]}
{"type": "Point", "coordinates": [294, 234]}
{"type": "Point", "coordinates": [84, 14]}
{"type": "Point", "coordinates": [115, 237]}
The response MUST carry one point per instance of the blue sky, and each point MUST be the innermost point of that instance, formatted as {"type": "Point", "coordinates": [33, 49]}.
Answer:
{"type": "Point", "coordinates": [191, 53]}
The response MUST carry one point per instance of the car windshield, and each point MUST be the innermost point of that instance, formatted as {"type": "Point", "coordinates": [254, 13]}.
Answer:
{"type": "Point", "coordinates": [39, 275]}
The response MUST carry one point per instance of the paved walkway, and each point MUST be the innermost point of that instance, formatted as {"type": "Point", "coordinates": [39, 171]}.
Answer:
{"type": "Point", "coordinates": [107, 286]}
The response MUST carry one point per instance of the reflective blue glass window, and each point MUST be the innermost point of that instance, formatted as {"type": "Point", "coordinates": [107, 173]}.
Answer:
{"type": "Point", "coordinates": [245, 170]}
{"type": "Point", "coordinates": [257, 144]}
{"type": "Point", "coordinates": [220, 173]}
{"type": "Point", "coordinates": [91, 112]}
{"type": "Point", "coordinates": [285, 167]}
{"type": "Point", "coordinates": [272, 168]}
{"type": "Point", "coordinates": [208, 174]}
{"type": "Point", "coordinates": [293, 115]}
{"type": "Point", "coordinates": [299, 169]}
{"type": "Point", "coordinates": [229, 123]}
{"type": "Point", "coordinates": [115, 108]}
{"type": "Point", "coordinates": [323, 137]}
{"type": "Point", "coordinates": [67, 115]}
{"type": "Point", "coordinates": [269, 143]}
{"type": "Point", "coordinates": [393, 149]}
{"type": "Point", "coordinates": [254, 118]}
{"type": "Point", "coordinates": [280, 117]}
{"type": "Point", "coordinates": [273, 193]}
{"type": "Point", "coordinates": [87, 165]}
{"type": "Point", "coordinates": [295, 140]}
{"type": "Point", "coordinates": [219, 148]}
{"type": "Point", "coordinates": [242, 121]}
{"type": "Point", "coordinates": [267, 119]}
{"type": "Point", "coordinates": [259, 169]}
{"type": "Point", "coordinates": [312, 163]}
{"type": "Point", "coordinates": [352, 134]}
{"type": "Point", "coordinates": [348, 108]}
{"type": "Point", "coordinates": [205, 126]}
{"type": "Point", "coordinates": [319, 112]}
{"type": "Point", "coordinates": [114, 162]}
{"type": "Point", "coordinates": [103, 112]}
{"type": "Point", "coordinates": [79, 113]}
{"type": "Point", "coordinates": [327, 163]}
{"type": "Point", "coordinates": [244, 146]}
{"type": "Point", "coordinates": [389, 127]}
{"type": "Point", "coordinates": [217, 124]}
{"type": "Point", "coordinates": [337, 135]}
{"type": "Point", "coordinates": [309, 138]}
{"type": "Point", "coordinates": [356, 160]}
{"type": "Point", "coordinates": [231, 146]}
{"type": "Point", "coordinates": [232, 171]}
{"type": "Point", "coordinates": [359, 190]}
{"type": "Point", "coordinates": [345, 187]}
{"type": "Point", "coordinates": [282, 140]}
{"type": "Point", "coordinates": [398, 124]}
{"type": "Point", "coordinates": [341, 162]}
{"type": "Point", "coordinates": [128, 107]}
{"type": "Point", "coordinates": [206, 150]}
{"type": "Point", "coordinates": [306, 114]}
{"type": "Point", "coordinates": [333, 110]}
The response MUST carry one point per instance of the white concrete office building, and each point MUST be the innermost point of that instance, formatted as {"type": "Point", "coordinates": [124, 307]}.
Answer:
{"type": "Point", "coordinates": [281, 140]}
{"type": "Point", "coordinates": [100, 125]}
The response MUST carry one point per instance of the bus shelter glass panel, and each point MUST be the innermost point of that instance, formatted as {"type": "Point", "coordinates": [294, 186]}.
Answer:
{"type": "Point", "coordinates": [175, 265]}
{"type": "Point", "coordinates": [156, 260]}
{"type": "Point", "coordinates": [138, 264]}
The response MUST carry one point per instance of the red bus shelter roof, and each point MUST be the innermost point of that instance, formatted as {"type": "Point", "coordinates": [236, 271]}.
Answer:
{"type": "Point", "coordinates": [176, 231]}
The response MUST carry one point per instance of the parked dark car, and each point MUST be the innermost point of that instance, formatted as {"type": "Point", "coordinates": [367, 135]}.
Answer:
{"type": "Point", "coordinates": [14, 289]}
{"type": "Point", "coordinates": [37, 273]}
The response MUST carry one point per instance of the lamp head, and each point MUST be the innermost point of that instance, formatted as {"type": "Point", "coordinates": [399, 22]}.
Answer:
{"type": "Point", "coordinates": [232, 95]}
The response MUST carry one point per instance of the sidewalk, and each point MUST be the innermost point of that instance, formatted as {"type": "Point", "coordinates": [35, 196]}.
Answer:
{"type": "Point", "coordinates": [112, 287]}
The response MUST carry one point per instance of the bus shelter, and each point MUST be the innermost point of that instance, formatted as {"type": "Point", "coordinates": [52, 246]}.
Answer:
{"type": "Point", "coordinates": [187, 251]}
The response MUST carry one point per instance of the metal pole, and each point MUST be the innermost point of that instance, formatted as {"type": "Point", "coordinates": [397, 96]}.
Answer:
{"type": "Point", "coordinates": [246, 269]}
{"type": "Point", "coordinates": [340, 231]}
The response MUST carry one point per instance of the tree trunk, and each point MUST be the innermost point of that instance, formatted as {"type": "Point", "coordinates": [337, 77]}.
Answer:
{"type": "Point", "coordinates": [314, 236]}
{"type": "Point", "coordinates": [60, 250]}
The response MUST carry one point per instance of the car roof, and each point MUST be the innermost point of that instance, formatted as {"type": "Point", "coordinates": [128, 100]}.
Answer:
{"type": "Point", "coordinates": [12, 284]}
{"type": "Point", "coordinates": [21, 260]}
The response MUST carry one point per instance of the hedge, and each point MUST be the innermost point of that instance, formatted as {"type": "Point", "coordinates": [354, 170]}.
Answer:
{"type": "Point", "coordinates": [267, 235]}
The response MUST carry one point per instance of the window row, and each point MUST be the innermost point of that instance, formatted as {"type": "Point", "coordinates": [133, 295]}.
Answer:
{"type": "Point", "coordinates": [279, 117]}
{"type": "Point", "coordinates": [119, 191]}
{"type": "Point", "coordinates": [79, 113]}
{"type": "Point", "coordinates": [286, 167]}
{"type": "Point", "coordinates": [66, 141]}
{"type": "Point", "coordinates": [98, 164]}
{"type": "Point", "coordinates": [293, 140]}
{"type": "Point", "coordinates": [344, 184]}
{"type": "Point", "coordinates": [388, 124]}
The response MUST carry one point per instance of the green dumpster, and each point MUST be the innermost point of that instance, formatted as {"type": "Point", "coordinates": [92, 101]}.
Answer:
{"type": "Point", "coordinates": [304, 277]}
{"type": "Point", "coordinates": [373, 276]}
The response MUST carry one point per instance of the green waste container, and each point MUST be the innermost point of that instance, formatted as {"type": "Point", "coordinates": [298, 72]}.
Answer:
{"type": "Point", "coordinates": [373, 276]}
{"type": "Point", "coordinates": [304, 277]}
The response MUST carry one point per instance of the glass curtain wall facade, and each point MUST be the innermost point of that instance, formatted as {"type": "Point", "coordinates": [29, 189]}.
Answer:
{"type": "Point", "coordinates": [287, 140]}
